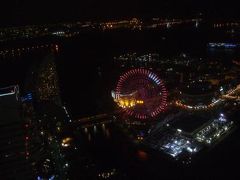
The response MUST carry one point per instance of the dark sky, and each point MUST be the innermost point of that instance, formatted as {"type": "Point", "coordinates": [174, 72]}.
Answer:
{"type": "Point", "coordinates": [20, 12]}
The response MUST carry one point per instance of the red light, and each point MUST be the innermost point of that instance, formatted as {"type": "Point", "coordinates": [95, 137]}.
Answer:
{"type": "Point", "coordinates": [26, 137]}
{"type": "Point", "coordinates": [138, 79]}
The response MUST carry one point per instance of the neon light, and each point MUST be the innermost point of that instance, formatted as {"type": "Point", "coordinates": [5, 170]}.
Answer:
{"type": "Point", "coordinates": [7, 94]}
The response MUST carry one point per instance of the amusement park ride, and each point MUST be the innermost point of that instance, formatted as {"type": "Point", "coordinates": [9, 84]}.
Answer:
{"type": "Point", "coordinates": [141, 94]}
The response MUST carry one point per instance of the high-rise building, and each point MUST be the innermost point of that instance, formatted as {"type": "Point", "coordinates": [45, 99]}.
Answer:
{"type": "Point", "coordinates": [47, 87]}
{"type": "Point", "coordinates": [14, 153]}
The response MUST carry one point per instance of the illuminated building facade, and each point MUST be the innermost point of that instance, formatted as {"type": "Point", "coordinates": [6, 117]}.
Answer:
{"type": "Point", "coordinates": [47, 88]}
{"type": "Point", "coordinates": [126, 101]}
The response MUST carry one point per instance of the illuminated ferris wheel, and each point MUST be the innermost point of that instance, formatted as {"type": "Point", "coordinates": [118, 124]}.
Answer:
{"type": "Point", "coordinates": [141, 94]}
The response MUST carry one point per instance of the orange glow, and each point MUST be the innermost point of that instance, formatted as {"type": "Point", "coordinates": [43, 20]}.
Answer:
{"type": "Point", "coordinates": [66, 142]}
{"type": "Point", "coordinates": [128, 103]}
{"type": "Point", "coordinates": [56, 47]}
{"type": "Point", "coordinates": [142, 155]}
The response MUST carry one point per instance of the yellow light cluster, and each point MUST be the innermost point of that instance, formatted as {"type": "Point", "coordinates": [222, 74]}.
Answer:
{"type": "Point", "coordinates": [140, 138]}
{"type": "Point", "coordinates": [66, 142]}
{"type": "Point", "coordinates": [128, 103]}
{"type": "Point", "coordinates": [139, 102]}
{"type": "Point", "coordinates": [197, 107]}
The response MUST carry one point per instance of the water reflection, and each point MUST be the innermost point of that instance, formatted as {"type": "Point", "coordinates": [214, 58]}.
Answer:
{"type": "Point", "coordinates": [142, 155]}
{"type": "Point", "coordinates": [107, 133]}
{"type": "Point", "coordinates": [103, 127]}
{"type": "Point", "coordinates": [89, 137]}
{"type": "Point", "coordinates": [96, 131]}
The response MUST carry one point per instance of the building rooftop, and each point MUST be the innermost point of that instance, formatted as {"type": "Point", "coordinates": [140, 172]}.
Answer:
{"type": "Point", "coordinates": [189, 122]}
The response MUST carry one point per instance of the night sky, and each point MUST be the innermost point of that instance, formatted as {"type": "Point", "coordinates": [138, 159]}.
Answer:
{"type": "Point", "coordinates": [21, 12]}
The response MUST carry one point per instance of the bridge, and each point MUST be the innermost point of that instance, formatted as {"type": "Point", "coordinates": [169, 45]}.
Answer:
{"type": "Point", "coordinates": [97, 119]}
{"type": "Point", "coordinates": [233, 94]}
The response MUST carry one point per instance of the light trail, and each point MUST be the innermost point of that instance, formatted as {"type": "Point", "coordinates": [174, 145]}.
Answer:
{"type": "Point", "coordinates": [222, 98]}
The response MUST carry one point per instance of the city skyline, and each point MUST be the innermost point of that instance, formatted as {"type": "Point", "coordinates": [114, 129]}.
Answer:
{"type": "Point", "coordinates": [15, 12]}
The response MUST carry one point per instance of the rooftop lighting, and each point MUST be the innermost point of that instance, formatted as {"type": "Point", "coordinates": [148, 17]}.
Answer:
{"type": "Point", "coordinates": [179, 130]}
